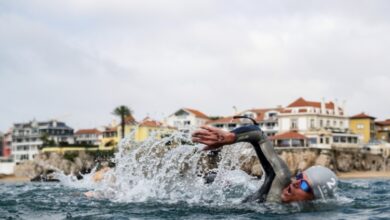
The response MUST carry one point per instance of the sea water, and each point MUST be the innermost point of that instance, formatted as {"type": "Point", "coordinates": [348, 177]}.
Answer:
{"type": "Point", "coordinates": [161, 179]}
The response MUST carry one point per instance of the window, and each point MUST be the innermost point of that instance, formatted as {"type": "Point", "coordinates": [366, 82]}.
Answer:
{"type": "Point", "coordinates": [313, 140]}
{"type": "Point", "coordinates": [334, 123]}
{"type": "Point", "coordinates": [230, 126]}
{"type": "Point", "coordinates": [312, 123]}
{"type": "Point", "coordinates": [187, 122]}
{"type": "Point", "coordinates": [294, 124]}
{"type": "Point", "coordinates": [272, 115]}
{"type": "Point", "coordinates": [328, 123]}
{"type": "Point", "coordinates": [360, 126]}
{"type": "Point", "coordinates": [321, 123]}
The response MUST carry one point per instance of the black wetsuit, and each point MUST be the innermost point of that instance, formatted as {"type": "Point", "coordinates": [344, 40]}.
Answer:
{"type": "Point", "coordinates": [277, 174]}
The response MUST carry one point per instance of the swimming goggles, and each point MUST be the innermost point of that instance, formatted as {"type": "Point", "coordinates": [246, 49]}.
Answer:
{"type": "Point", "coordinates": [304, 185]}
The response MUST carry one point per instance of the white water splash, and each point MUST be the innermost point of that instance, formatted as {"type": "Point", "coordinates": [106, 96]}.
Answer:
{"type": "Point", "coordinates": [167, 171]}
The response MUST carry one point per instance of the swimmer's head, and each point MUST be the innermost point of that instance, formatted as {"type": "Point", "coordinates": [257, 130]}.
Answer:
{"type": "Point", "coordinates": [322, 180]}
{"type": "Point", "coordinates": [314, 183]}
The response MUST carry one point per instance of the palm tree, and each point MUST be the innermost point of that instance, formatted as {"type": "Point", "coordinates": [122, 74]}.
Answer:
{"type": "Point", "coordinates": [123, 112]}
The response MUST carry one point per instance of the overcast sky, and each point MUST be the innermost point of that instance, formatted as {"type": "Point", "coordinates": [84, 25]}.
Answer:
{"type": "Point", "coordinates": [78, 60]}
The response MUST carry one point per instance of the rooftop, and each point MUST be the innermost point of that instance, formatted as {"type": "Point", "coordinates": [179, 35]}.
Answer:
{"type": "Point", "coordinates": [197, 113]}
{"type": "Point", "coordinates": [88, 131]}
{"type": "Point", "coordinates": [362, 116]}
{"type": "Point", "coordinates": [289, 135]}
{"type": "Point", "coordinates": [301, 102]}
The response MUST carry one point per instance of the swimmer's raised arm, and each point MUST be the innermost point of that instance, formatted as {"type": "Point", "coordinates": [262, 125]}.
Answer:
{"type": "Point", "coordinates": [214, 138]}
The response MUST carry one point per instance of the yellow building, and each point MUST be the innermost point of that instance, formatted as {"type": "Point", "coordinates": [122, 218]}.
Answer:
{"type": "Point", "coordinates": [364, 125]}
{"type": "Point", "coordinates": [110, 139]}
{"type": "Point", "coordinates": [140, 131]}
{"type": "Point", "coordinates": [149, 127]}
{"type": "Point", "coordinates": [130, 125]}
{"type": "Point", "coordinates": [383, 130]}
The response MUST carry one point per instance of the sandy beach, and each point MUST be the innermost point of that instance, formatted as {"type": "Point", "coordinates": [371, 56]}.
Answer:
{"type": "Point", "coordinates": [12, 178]}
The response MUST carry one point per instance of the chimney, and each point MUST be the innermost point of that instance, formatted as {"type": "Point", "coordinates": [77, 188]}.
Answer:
{"type": "Point", "coordinates": [235, 110]}
{"type": "Point", "coordinates": [343, 107]}
{"type": "Point", "coordinates": [336, 108]}
{"type": "Point", "coordinates": [323, 109]}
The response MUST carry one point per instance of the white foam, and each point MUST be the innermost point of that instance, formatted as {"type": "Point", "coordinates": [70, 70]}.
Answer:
{"type": "Point", "coordinates": [155, 171]}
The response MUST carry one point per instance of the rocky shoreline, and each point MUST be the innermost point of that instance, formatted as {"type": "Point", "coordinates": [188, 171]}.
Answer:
{"type": "Point", "coordinates": [346, 162]}
{"type": "Point", "coordinates": [45, 164]}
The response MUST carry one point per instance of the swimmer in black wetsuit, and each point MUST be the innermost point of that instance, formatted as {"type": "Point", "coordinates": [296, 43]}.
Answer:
{"type": "Point", "coordinates": [315, 182]}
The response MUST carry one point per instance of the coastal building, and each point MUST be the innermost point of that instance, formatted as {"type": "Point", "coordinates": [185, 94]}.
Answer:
{"type": "Point", "coordinates": [148, 128]}
{"type": "Point", "coordinates": [363, 125]}
{"type": "Point", "coordinates": [109, 138]}
{"type": "Point", "coordinates": [383, 130]}
{"type": "Point", "coordinates": [7, 141]}
{"type": "Point", "coordinates": [88, 137]}
{"type": "Point", "coordinates": [1, 144]}
{"type": "Point", "coordinates": [186, 119]}
{"type": "Point", "coordinates": [28, 138]}
{"type": "Point", "coordinates": [266, 118]}
{"type": "Point", "coordinates": [323, 123]}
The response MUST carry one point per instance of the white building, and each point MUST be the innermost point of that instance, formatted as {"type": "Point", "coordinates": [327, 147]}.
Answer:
{"type": "Point", "coordinates": [324, 124]}
{"type": "Point", "coordinates": [266, 118]}
{"type": "Point", "coordinates": [88, 136]}
{"type": "Point", "coordinates": [28, 138]}
{"type": "Point", "coordinates": [186, 119]}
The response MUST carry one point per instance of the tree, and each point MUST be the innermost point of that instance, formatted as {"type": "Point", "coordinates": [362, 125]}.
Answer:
{"type": "Point", "coordinates": [123, 112]}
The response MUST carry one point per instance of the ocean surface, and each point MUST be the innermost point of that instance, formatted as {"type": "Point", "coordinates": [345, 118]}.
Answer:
{"type": "Point", "coordinates": [357, 199]}
{"type": "Point", "coordinates": [164, 179]}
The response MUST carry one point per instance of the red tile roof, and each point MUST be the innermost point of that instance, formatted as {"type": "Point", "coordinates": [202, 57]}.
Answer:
{"type": "Point", "coordinates": [197, 113]}
{"type": "Point", "coordinates": [383, 123]}
{"type": "Point", "coordinates": [303, 103]}
{"type": "Point", "coordinates": [148, 122]}
{"type": "Point", "coordinates": [361, 116]}
{"type": "Point", "coordinates": [88, 131]}
{"type": "Point", "coordinates": [224, 120]}
{"type": "Point", "coordinates": [130, 120]}
{"type": "Point", "coordinates": [260, 113]}
{"type": "Point", "coordinates": [288, 135]}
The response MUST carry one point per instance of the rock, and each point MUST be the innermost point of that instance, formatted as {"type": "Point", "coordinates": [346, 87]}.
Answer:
{"type": "Point", "coordinates": [344, 162]}
{"type": "Point", "coordinates": [45, 163]}
{"type": "Point", "coordinates": [257, 170]}
{"type": "Point", "coordinates": [323, 159]}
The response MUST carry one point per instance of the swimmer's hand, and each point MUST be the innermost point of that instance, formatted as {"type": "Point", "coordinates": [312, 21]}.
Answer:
{"type": "Point", "coordinates": [213, 137]}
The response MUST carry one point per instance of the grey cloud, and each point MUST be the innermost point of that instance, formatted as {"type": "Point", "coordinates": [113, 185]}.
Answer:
{"type": "Point", "coordinates": [86, 57]}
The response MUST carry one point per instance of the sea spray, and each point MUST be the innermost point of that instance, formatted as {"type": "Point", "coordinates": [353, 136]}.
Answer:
{"type": "Point", "coordinates": [172, 170]}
